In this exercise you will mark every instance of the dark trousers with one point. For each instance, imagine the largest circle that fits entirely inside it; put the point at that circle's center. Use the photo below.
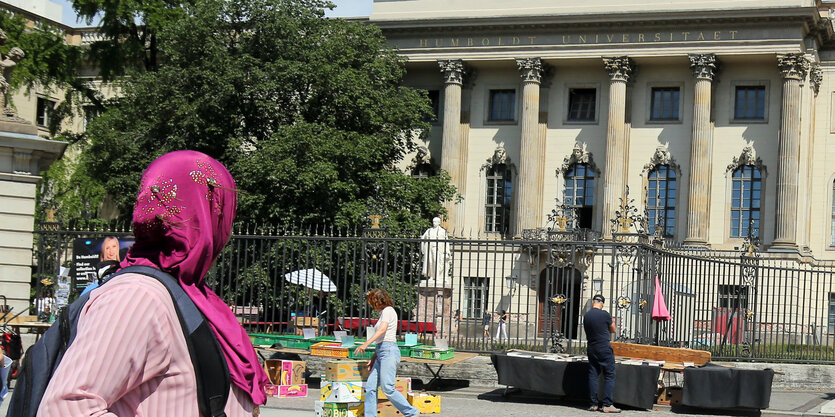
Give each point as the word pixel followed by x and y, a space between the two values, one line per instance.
pixel 601 360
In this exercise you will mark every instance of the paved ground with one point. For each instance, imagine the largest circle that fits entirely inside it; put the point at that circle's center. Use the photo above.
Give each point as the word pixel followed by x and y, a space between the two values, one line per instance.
pixel 466 402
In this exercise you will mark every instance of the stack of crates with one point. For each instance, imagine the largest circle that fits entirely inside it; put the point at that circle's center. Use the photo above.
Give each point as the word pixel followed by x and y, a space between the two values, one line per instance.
pixel 342 391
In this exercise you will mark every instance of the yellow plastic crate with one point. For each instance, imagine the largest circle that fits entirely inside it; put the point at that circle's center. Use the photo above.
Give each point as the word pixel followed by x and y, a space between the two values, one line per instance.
pixel 330 350
pixel 425 403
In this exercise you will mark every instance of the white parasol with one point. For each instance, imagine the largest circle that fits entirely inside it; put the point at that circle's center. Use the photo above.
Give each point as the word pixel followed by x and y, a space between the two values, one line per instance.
pixel 311 278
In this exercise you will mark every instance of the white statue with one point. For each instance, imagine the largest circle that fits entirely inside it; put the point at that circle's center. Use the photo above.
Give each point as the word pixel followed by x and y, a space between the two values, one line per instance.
pixel 436 254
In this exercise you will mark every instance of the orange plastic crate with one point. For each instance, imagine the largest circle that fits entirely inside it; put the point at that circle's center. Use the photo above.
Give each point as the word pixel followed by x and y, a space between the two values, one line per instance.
pixel 330 350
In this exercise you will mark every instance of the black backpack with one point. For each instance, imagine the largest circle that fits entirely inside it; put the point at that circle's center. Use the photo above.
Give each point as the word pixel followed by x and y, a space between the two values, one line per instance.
pixel 43 357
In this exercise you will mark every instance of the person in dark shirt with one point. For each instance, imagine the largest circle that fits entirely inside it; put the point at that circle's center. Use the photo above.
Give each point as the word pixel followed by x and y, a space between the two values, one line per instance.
pixel 598 326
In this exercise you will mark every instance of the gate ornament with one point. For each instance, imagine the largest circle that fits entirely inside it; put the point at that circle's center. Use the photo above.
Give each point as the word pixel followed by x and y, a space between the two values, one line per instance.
pixel 627 217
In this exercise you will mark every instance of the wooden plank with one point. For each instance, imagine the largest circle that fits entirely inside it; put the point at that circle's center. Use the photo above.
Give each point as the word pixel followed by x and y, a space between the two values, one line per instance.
pixel 659 353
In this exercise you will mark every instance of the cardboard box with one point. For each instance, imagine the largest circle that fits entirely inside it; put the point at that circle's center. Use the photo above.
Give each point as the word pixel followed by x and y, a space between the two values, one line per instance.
pixel 670 396
pixel 425 403
pixel 306 322
pixel 289 391
pixel 346 370
pixel 403 385
pixel 342 409
pixel 386 409
pixel 273 369
pixel 356 388
pixel 292 372
pixel 271 390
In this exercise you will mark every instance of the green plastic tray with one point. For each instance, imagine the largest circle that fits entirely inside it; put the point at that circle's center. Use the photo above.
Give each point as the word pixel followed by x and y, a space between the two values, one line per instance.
pixel 431 353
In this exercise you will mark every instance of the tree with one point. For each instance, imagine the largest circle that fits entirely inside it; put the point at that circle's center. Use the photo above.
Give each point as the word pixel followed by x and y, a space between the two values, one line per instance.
pixel 308 113
pixel 49 62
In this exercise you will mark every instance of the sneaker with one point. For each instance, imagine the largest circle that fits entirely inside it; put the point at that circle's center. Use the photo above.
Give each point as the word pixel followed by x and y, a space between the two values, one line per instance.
pixel 594 408
pixel 610 409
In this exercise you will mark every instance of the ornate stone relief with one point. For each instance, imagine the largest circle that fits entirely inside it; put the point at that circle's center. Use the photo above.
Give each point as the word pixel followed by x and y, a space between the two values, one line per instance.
pixel 815 77
pixel 579 155
pixel 704 66
pixel 793 66
pixel 747 157
pixel 499 158
pixel 422 157
pixel 661 156
pixel 619 68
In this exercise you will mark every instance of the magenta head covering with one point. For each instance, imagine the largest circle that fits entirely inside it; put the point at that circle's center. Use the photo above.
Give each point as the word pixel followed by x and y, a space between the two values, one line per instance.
pixel 182 220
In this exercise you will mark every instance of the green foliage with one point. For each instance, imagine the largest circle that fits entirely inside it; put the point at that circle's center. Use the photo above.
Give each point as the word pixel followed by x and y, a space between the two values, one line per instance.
pixel 308 113
pixel 131 32
pixel 49 62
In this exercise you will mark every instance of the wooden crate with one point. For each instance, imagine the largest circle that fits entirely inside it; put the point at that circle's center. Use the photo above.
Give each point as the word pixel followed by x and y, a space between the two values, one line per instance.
pixel 659 353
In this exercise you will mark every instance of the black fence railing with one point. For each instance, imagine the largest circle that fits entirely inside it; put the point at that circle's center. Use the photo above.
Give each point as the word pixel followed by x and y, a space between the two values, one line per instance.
pixel 493 294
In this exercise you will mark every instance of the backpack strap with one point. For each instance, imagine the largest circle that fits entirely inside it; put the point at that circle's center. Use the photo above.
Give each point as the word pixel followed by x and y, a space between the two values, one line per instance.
pixel 210 368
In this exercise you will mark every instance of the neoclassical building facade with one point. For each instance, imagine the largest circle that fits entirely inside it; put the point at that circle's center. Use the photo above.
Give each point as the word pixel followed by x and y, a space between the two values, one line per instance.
pixel 717 117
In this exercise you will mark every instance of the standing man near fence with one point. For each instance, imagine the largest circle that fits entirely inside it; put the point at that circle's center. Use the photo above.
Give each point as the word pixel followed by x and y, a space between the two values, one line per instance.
pixel 598 326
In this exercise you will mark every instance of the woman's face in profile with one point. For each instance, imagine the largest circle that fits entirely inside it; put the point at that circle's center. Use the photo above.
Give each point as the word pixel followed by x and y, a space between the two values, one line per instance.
pixel 110 250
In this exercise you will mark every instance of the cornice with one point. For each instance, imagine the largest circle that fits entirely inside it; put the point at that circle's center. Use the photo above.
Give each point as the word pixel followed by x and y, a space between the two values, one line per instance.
pixel 810 16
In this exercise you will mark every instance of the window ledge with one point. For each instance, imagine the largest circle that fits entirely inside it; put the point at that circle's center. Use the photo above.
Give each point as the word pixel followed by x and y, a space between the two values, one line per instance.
pixel 748 121
pixel 664 122
pixel 500 122
pixel 580 122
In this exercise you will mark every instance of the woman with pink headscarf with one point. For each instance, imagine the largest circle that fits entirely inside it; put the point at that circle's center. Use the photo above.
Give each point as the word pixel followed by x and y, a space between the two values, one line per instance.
pixel 130 356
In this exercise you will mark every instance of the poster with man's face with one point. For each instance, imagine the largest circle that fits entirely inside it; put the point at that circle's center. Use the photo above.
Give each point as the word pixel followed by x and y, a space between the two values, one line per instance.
pixel 89 254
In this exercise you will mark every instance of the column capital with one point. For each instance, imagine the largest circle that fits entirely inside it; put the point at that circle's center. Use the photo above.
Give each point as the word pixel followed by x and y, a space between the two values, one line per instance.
pixel 793 66
pixel 453 70
pixel 620 68
pixel 532 69
pixel 704 66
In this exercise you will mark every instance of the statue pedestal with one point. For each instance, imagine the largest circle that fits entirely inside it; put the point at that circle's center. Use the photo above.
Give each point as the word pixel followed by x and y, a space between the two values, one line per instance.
pixel 435 306
pixel 22 158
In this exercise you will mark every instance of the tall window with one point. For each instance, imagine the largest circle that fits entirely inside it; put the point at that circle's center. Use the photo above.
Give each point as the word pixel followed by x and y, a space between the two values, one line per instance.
pixel 832 220
pixel 423 171
pixel 90 113
pixel 662 191
pixel 664 103
pixel 581 104
pixel 750 102
pixel 435 99
pixel 502 106
pixel 44 106
pixel 579 193
pixel 831 313
pixel 475 296
pixel 745 201
pixel 733 296
pixel 499 189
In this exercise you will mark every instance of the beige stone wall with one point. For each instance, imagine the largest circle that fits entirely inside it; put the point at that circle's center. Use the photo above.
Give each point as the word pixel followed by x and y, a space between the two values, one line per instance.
pixel 17 209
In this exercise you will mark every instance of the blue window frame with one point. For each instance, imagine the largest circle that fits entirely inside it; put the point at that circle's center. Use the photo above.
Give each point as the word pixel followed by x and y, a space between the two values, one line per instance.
pixel 750 102
pixel 502 106
pixel 746 194
pixel 662 191
pixel 579 193
pixel 499 191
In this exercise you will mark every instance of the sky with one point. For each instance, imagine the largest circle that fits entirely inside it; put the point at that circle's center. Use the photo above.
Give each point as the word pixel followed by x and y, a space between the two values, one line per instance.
pixel 344 8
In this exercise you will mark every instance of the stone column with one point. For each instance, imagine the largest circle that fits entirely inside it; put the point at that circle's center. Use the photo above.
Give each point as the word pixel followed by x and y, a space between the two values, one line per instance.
pixel 452 156
pixel 701 150
pixel 793 67
pixel 617 141
pixel 531 172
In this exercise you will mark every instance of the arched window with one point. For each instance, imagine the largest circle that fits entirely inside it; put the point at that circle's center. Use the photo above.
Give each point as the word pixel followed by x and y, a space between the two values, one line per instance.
pixel 662 191
pixel 746 196
pixel 579 193
pixel 497 205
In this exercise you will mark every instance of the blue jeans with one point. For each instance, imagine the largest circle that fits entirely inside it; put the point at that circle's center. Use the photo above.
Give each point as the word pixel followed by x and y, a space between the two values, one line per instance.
pixel 5 367
pixel 383 373
pixel 601 360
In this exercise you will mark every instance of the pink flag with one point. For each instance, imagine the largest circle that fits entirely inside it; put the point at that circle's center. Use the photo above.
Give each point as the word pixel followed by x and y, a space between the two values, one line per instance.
pixel 659 306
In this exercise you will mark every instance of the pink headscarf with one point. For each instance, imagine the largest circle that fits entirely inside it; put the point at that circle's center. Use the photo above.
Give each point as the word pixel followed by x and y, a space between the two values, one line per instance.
pixel 182 220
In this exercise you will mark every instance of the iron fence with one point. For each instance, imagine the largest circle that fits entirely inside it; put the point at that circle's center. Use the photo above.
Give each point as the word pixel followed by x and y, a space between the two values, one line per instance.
pixel 494 294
